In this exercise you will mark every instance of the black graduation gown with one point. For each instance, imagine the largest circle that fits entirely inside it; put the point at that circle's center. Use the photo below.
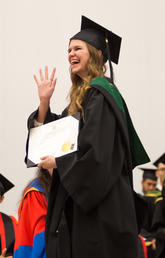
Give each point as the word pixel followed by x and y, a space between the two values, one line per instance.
pixel 93 186
pixel 158 227
pixel 7 233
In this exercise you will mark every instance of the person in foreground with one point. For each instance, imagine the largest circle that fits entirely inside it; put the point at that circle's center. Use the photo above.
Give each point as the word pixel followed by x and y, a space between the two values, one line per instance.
pixel 158 222
pixel 150 194
pixel 92 186
pixel 30 241
pixel 160 172
pixel 8 224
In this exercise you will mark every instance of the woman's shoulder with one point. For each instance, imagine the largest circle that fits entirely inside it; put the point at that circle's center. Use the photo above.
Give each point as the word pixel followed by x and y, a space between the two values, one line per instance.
pixel 101 81
pixel 91 92
pixel 35 185
pixel 93 89
pixel 109 91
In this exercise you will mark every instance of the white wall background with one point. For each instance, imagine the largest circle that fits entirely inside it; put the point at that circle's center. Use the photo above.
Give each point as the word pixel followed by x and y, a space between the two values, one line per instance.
pixel 35 33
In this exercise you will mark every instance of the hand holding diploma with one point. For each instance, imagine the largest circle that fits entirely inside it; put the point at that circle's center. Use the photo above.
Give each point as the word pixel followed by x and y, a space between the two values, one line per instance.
pixel 47 162
pixel 52 140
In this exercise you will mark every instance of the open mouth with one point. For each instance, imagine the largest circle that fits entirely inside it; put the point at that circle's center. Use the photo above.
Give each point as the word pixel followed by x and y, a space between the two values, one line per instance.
pixel 74 62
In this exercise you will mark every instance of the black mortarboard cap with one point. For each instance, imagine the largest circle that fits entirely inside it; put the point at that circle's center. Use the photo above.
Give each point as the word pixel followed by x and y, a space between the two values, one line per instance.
pixel 160 160
pixel 149 173
pixel 101 38
pixel 5 185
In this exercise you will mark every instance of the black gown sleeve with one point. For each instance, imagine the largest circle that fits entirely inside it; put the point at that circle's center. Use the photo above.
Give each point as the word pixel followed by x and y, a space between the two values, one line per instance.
pixel 158 223
pixel 89 174
pixel 49 118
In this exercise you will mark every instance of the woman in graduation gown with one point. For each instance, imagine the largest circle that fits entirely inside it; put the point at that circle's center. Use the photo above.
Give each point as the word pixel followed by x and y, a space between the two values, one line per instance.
pixel 158 224
pixel 8 224
pixel 93 186
pixel 30 240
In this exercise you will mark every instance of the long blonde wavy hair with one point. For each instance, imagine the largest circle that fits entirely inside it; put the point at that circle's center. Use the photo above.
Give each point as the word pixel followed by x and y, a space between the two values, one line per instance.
pixel 96 68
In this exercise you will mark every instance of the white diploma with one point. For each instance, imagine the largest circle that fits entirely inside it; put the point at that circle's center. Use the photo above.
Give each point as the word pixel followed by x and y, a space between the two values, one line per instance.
pixel 56 138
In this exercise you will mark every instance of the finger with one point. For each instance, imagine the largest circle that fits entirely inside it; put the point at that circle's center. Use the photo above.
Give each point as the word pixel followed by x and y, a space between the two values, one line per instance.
pixel 35 78
pixel 52 74
pixel 46 72
pixel 41 75
pixel 39 165
pixel 42 165
pixel 50 170
pixel 54 82
pixel 4 252
pixel 154 245
pixel 43 158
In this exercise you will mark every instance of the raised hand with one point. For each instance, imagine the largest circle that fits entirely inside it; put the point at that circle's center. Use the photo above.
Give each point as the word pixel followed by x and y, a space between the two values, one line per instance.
pixel 45 90
pixel 45 85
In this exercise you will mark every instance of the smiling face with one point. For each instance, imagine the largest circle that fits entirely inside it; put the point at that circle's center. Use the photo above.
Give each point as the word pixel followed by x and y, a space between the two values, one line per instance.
pixel 78 56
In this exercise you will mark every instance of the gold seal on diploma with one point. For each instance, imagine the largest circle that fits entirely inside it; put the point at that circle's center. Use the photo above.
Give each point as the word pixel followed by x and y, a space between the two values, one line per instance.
pixel 66 146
